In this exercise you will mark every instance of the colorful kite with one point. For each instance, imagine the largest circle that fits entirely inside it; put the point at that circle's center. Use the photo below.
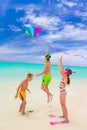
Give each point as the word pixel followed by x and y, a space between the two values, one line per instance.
pixel 32 32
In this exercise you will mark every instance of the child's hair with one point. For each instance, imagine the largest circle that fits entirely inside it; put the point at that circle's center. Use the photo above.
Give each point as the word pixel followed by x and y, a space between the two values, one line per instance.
pixel 68 82
pixel 29 75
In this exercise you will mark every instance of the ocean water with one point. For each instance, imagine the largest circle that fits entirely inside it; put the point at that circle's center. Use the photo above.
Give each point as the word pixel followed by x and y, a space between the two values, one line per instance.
pixel 10 71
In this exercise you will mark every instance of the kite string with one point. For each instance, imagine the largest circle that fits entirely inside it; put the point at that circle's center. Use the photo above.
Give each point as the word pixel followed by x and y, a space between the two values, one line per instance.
pixel 66 52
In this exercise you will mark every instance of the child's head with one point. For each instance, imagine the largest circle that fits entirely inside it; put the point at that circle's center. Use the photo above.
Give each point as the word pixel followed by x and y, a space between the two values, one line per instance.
pixel 29 76
pixel 68 71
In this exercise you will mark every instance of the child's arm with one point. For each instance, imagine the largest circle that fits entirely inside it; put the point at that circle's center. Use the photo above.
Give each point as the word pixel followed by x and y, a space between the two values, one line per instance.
pixel 40 74
pixel 65 79
pixel 18 90
pixel 44 71
pixel 61 67
pixel 28 90
pixel 45 67
pixel 46 51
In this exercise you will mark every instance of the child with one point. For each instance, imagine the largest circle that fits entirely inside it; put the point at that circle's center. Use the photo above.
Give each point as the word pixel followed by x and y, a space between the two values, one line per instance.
pixel 21 92
pixel 47 77
pixel 65 81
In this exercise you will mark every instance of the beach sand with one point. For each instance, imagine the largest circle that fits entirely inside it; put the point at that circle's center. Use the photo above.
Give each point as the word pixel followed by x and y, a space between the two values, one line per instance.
pixel 11 119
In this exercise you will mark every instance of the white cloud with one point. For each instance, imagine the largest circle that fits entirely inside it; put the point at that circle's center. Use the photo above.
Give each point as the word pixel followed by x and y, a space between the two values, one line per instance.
pixel 12 50
pixel 72 59
pixel 52 24
pixel 69 32
pixel 48 22
pixel 14 28
pixel 70 4
pixel 79 13
pixel 56 30
pixel 44 19
pixel 28 8
pixel 14 53
pixel 14 47
pixel 21 58
pixel 74 33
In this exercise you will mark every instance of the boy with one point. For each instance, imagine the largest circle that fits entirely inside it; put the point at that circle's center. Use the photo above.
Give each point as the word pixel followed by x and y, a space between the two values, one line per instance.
pixel 21 92
pixel 47 77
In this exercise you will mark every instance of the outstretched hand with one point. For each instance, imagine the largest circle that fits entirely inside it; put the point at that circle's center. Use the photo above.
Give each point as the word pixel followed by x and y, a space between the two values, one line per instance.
pixel 16 96
pixel 37 74
pixel 46 51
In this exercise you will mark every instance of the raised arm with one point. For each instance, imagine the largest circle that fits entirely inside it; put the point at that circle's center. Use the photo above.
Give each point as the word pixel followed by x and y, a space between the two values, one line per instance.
pixel 46 51
pixel 60 65
pixel 45 67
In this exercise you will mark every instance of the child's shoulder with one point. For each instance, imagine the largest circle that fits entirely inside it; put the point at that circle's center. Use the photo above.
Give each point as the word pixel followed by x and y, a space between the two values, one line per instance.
pixel 23 81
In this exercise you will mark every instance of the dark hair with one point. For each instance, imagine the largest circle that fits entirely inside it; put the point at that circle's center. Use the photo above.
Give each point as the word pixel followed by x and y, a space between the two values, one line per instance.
pixel 68 71
pixel 68 82
pixel 29 75
pixel 47 59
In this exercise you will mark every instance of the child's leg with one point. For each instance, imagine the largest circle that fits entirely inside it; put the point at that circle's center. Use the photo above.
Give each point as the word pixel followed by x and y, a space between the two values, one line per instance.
pixel 50 95
pixel 20 109
pixel 45 89
pixel 23 106
pixel 63 105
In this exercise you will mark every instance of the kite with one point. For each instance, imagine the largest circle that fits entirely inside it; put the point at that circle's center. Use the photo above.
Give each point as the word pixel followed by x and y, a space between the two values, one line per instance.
pixel 32 32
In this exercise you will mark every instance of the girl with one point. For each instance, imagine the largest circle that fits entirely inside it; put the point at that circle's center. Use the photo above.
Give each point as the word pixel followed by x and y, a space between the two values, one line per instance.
pixel 65 81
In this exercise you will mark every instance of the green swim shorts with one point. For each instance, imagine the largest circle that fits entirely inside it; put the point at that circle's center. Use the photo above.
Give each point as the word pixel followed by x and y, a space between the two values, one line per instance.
pixel 46 79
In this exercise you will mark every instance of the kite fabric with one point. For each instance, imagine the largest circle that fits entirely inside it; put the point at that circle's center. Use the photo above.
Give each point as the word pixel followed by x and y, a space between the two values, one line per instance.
pixel 32 32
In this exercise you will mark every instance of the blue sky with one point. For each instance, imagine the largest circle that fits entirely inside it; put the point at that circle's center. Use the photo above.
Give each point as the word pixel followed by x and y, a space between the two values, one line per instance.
pixel 64 24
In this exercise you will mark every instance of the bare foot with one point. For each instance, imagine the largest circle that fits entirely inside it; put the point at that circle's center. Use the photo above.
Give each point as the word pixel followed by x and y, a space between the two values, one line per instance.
pixel 65 121
pixel 61 116
pixel 19 110
pixel 51 97
pixel 23 113
pixel 48 100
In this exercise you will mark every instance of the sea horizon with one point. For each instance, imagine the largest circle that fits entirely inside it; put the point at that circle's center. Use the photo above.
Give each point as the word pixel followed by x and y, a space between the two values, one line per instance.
pixel 18 71
pixel 40 63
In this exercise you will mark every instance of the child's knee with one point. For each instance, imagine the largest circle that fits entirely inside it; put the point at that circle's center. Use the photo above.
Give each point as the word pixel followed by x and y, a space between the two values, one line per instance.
pixel 24 102
pixel 42 87
pixel 62 104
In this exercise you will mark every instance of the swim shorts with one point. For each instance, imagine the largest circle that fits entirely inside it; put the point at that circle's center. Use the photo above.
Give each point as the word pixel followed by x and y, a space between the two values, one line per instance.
pixel 46 79
pixel 22 95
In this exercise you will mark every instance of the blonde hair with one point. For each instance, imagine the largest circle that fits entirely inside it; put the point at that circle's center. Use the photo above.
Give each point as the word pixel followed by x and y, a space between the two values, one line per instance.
pixel 29 75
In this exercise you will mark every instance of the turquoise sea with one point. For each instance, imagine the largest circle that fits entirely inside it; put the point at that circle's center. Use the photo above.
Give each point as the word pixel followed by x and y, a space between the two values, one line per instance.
pixel 10 71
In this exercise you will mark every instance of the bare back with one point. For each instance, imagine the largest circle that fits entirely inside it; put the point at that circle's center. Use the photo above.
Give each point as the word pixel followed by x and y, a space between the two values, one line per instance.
pixel 24 85
pixel 47 68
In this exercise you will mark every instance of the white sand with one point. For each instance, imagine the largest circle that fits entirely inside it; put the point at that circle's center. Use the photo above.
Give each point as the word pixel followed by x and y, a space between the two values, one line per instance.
pixel 10 118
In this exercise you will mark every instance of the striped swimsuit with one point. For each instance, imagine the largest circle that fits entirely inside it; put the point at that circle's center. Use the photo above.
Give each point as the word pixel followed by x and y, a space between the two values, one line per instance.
pixel 62 86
